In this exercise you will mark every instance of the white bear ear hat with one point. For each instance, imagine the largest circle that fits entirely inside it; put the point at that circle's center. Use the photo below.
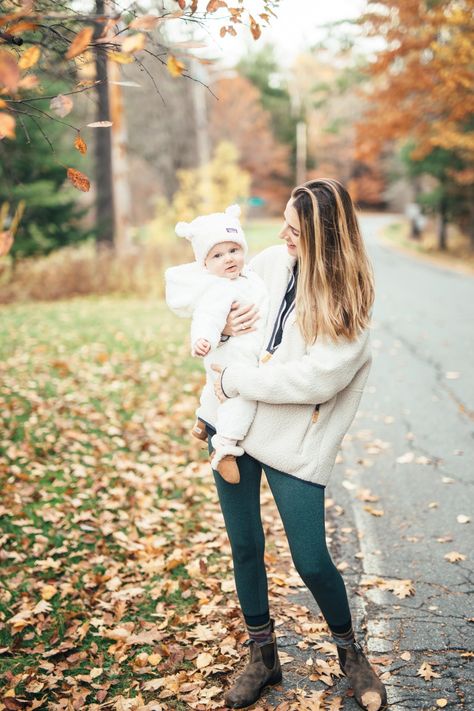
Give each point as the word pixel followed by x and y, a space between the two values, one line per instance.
pixel 206 231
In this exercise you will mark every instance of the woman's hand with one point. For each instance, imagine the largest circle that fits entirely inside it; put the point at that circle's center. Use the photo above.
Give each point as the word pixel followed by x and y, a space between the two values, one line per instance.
pixel 217 383
pixel 241 319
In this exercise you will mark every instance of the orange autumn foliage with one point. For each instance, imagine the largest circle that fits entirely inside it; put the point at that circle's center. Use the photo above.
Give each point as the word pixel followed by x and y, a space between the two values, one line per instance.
pixel 423 79
pixel 239 117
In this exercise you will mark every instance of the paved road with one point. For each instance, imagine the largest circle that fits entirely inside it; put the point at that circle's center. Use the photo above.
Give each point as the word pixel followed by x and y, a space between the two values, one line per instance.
pixel 418 408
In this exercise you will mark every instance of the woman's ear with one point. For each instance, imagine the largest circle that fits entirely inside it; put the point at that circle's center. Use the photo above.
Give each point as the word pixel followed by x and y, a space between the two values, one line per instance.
pixel 233 210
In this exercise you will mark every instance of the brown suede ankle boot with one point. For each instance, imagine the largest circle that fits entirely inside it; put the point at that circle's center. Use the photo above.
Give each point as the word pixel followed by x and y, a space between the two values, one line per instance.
pixel 263 670
pixel 199 430
pixel 369 692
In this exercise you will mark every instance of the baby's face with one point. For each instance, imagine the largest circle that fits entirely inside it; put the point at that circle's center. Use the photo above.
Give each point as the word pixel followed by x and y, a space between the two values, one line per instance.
pixel 225 259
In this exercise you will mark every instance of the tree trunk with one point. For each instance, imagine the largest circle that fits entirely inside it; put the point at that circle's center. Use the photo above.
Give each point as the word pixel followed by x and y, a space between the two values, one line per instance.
pixel 103 148
pixel 442 225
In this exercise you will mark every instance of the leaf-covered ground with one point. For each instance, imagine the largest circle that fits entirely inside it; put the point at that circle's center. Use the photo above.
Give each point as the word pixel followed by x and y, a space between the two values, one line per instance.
pixel 117 588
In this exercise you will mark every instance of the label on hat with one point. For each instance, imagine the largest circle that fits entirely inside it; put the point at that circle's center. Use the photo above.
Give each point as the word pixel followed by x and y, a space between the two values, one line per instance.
pixel 231 229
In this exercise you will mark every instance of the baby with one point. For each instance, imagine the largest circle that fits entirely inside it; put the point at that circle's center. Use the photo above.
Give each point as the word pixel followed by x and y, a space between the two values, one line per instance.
pixel 205 289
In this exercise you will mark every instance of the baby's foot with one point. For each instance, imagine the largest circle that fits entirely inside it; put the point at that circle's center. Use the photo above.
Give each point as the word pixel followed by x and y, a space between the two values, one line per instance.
pixel 199 430
pixel 228 469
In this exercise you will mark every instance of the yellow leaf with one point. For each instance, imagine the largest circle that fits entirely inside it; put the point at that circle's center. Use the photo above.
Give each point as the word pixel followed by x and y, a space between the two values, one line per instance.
pixel 426 672
pixel 80 145
pixel 374 512
pixel 29 81
pixel 79 180
pixel 254 28
pixel 9 71
pixel 175 67
pixel 154 659
pixel 441 703
pixel 120 57
pixel 80 42
pixel 147 22
pixel 7 126
pixel 134 43
pixel 203 660
pixel 454 556
pixel 214 5
pixel 48 591
pixel 29 58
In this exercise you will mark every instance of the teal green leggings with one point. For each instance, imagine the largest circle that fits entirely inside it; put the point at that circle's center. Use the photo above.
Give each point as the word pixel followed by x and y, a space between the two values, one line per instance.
pixel 301 507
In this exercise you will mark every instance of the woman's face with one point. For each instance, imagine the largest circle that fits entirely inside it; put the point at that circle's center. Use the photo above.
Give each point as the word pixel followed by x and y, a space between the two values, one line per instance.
pixel 291 229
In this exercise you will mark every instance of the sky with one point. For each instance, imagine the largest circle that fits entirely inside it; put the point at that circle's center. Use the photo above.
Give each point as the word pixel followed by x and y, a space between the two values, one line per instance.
pixel 299 24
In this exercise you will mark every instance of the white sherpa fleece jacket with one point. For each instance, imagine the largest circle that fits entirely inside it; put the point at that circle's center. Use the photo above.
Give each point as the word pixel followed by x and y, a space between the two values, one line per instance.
pixel 192 291
pixel 285 433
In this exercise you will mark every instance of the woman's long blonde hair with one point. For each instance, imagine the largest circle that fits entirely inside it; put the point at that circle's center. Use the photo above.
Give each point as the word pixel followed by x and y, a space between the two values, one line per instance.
pixel 335 290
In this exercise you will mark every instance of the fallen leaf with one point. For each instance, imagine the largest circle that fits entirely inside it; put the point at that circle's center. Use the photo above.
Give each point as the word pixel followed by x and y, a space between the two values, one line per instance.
pixel 373 511
pixel 454 556
pixel 406 656
pixel 406 458
pixel 426 672
pixel 441 703
pixel 203 660
pixel 48 591
pixel 462 518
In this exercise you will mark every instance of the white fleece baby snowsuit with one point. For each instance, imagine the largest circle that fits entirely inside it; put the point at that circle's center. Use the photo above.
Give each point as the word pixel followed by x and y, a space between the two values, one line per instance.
pixel 193 291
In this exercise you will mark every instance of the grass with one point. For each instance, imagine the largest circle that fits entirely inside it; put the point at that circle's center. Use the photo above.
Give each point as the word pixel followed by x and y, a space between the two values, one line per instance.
pixel 87 395
pixel 458 255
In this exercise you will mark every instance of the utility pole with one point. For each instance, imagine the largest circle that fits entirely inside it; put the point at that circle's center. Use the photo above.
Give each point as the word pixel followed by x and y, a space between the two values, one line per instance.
pixel 201 123
pixel 120 184
pixel 301 152
pixel 297 111
pixel 103 146
pixel 122 202
pixel 113 191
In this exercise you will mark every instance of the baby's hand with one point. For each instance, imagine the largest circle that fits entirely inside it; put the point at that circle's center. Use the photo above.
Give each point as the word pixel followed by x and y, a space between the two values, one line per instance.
pixel 201 347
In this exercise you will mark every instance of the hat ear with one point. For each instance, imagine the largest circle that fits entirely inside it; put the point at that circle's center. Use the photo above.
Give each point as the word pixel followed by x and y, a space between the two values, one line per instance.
pixel 183 229
pixel 233 210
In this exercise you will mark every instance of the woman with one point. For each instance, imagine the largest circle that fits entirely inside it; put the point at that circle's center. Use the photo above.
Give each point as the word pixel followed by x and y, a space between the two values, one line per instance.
pixel 308 387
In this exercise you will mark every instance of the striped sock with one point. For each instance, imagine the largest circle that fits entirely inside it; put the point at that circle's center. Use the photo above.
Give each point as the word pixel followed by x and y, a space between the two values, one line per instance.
pixel 344 639
pixel 261 634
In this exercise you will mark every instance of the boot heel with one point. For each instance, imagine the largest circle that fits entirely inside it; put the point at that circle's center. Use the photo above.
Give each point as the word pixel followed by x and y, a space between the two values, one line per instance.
pixel 276 679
